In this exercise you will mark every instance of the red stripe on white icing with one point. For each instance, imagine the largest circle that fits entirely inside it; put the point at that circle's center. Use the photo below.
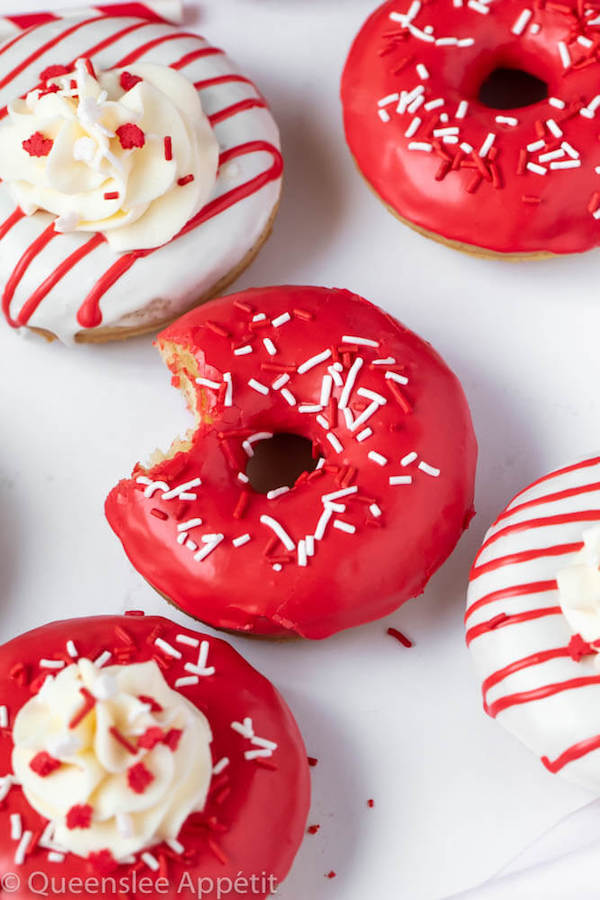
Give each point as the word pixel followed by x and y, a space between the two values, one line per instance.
pixel 517 590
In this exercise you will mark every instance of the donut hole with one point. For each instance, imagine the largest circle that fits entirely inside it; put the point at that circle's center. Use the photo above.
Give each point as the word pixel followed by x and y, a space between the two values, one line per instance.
pixel 279 462
pixel 511 88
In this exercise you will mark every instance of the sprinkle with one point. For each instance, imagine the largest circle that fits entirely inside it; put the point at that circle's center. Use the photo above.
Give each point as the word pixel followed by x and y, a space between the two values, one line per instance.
pixel 279 382
pixel 206 382
pixel 288 396
pixel 309 408
pixel 554 128
pixel 322 523
pixel 337 380
pixel 594 103
pixel 313 361
pixel 229 388
pixel 187 681
pixel 309 543
pixel 343 492
pixel 281 320
pixel 3 717
pixel 538 170
pixel 270 346
pixel 259 317
pixel 168 144
pixel 467 148
pixel 563 52
pixel 393 632
pixel 139 778
pixel 241 540
pixel 43 764
pixel 400 479
pixel 566 164
pixel 258 386
pixel 420 145
pixel 277 492
pixel 553 154
pixel 277 567
pixel 16 827
pixel 344 526
pixel 241 351
pixel 187 640
pixel 461 112
pixel 150 860
pixel 413 127
pixel 522 21
pixel 507 120
pixel 441 132
pixel 585 42
pixel 586 113
pixel 335 443
pixel 569 150
pixel 182 492
pixel 364 434
pixel 384 115
pixel 220 766
pixel 102 659
pixel 279 530
pixel 377 457
pixel 422 71
pixel 257 754
pixel 375 510
pixel 352 339
pixel 429 470
pixel 241 476
pixel 186 179
pixel 211 543
pixel 167 648
pixel 536 145
pixel 302 557
pixel 487 145
pixel 79 816
pixel 176 845
pixel 366 414
pixel 55 857
pixel 390 98
pixel 245 728
pixel 326 388
pixel 478 7
pixel 351 378
pixel 52 664
pixel 72 650
pixel 556 103
pixel 89 703
pixel 130 136
pixel 22 848
pixel 111 195
pixel 38 145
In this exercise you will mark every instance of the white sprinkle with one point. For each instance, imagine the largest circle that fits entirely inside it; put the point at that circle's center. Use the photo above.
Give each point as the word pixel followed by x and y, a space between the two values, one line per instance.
pixel 302 557
pixel 257 436
pixel 390 98
pixel 420 145
pixel 487 145
pixel 245 728
pixel 422 71
pixel 429 470
pixel 350 379
pixel 570 151
pixel 408 459
pixel 279 530
pixel 344 526
pixel 211 545
pixel 279 382
pixel 388 361
pixel 191 545
pixel 241 351
pixel 585 42
pixel 259 317
pixel 440 132
pixel 400 479
pixel 323 523
pixel 478 7
pixel 309 543
pixel 187 640
pixel 313 361
pixel 221 765
pixel 352 339
pixel 257 754
pixel 563 52
pixel 507 120
pixel 394 376
pixel 462 109
pixel 553 154
pixel 55 857
pixel 433 104
pixel 444 117
pixel 337 380
pixel 323 422
pixel 349 418
pixel 337 507
pixel 102 659
pixel 556 103
pixel 151 861
pixel 167 648
pixel 281 320
pixel 447 42
pixel 366 414
pixel 450 139
pixel 22 848
pixel 343 492
pixel 521 23
pixel 375 511
pixel 384 115
pixel 3 717
pixel 536 145
pixel 364 434
pixel 264 743
pixel 586 113
pixel 182 492
pixel 16 827
pixel 596 214
pixel 6 784
pixel 288 396
pixel 413 127
pixel 191 523
pixel 566 164
pixel 182 538
pixel 277 492
pixel 124 825
pixel 258 386
pixel 52 664
pixel 187 681
pixel 326 388
pixel 241 476
pixel 228 389
pixel 310 408
pixel 538 170
pixel 377 457
pixel 72 650
pixel 417 102
pixel 467 148
pixel 554 128
pixel 277 567
pixel 335 443
pixel 594 103
pixel 206 382
pixel 241 540
pixel 372 395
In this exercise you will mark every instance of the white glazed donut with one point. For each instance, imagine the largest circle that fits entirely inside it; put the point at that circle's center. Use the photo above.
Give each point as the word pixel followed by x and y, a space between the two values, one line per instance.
pixel 533 620
pixel 73 285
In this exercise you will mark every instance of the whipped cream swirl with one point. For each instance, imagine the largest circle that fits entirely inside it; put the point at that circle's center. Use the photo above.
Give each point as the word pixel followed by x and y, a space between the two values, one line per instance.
pixel 113 757
pixel 127 153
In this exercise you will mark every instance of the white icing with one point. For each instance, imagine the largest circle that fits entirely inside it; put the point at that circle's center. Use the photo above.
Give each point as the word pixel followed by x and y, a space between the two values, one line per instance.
pixel 579 588
pixel 95 764
pixel 92 182
pixel 551 725
pixel 169 280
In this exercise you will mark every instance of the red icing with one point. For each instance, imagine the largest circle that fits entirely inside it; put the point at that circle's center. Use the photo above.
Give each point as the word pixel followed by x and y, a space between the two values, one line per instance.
pixel 490 200
pixel 128 81
pixel 43 764
pixel 38 145
pixel 255 818
pixel 53 72
pixel 139 778
pixel 131 136
pixel 578 648
pixel 89 701
pixel 352 577
pixel 154 706
pixel 79 816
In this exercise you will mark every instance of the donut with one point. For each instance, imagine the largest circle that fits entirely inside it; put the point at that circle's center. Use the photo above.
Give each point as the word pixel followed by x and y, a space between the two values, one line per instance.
pixel 388 491
pixel 150 755
pixel 141 173
pixel 533 620
pixel 434 96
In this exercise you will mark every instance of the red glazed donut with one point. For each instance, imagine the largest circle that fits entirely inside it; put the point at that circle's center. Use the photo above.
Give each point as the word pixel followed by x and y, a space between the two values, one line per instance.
pixel 254 814
pixel 515 181
pixel 357 536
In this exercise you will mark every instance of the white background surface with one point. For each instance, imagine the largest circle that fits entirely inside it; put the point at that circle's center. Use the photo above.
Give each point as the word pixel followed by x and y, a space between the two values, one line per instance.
pixel 455 796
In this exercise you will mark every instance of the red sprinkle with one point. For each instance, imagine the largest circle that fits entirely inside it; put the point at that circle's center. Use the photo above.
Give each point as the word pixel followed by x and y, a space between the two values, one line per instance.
pixel 578 648
pixel 151 737
pixel 331 874
pixel 172 738
pixel 312 829
pixel 128 81
pixel 79 816
pixel 38 145
pixel 53 72
pixel 406 642
pixel 185 180
pixel 90 68
pixel 122 740
pixel 90 702
pixel 43 764
pixel 135 612
pixel 370 804
pixel 111 195
pixel 154 706
pixel 131 136
pixel 139 778
pixel 313 761
pixel 168 149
